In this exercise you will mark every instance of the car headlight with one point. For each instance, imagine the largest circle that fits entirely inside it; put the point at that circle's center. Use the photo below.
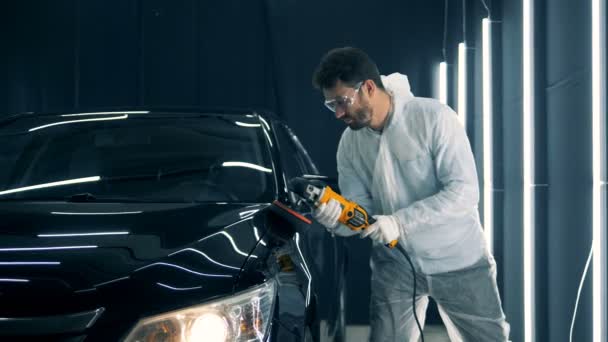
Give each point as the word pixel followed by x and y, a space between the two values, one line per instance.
pixel 245 316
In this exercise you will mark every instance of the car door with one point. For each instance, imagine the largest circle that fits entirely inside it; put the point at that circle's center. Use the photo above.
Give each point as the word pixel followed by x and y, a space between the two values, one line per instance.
pixel 324 251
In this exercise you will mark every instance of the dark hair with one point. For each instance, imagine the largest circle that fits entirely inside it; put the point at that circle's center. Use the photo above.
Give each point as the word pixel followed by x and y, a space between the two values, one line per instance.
pixel 349 65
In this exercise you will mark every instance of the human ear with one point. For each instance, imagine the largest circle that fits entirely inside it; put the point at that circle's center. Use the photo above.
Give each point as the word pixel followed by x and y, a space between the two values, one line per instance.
pixel 369 87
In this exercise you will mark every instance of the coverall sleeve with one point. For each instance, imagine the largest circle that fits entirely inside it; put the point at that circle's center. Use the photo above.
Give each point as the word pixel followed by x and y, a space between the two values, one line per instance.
pixel 351 186
pixel 455 170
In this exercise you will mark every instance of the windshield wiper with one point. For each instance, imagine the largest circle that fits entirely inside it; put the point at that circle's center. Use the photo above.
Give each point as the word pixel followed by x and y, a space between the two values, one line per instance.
pixel 89 197
pixel 77 198
pixel 158 175
pixel 37 198
pixel 83 197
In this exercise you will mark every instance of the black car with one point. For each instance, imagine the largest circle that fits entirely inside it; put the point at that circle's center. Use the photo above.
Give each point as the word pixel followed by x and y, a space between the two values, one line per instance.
pixel 159 226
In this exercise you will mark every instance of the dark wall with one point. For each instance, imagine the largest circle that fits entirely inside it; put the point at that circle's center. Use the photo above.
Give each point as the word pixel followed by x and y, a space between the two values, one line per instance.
pixel 512 143
pixel 567 92
pixel 303 31
pixel 71 54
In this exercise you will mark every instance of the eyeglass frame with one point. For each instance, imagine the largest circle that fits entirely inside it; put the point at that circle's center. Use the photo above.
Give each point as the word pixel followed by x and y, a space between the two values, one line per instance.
pixel 343 99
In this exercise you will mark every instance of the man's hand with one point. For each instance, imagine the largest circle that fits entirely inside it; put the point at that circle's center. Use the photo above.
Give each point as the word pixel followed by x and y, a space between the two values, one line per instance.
pixel 328 214
pixel 385 230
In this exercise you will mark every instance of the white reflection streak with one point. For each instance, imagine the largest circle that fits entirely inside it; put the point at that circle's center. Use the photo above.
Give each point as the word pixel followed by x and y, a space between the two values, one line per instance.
pixel 77 121
pixel 7 280
pixel 267 128
pixel 179 288
pixel 268 137
pixel 20 249
pixel 184 269
pixel 247 165
pixel 206 256
pixel 234 246
pixel 230 238
pixel 85 290
pixel 111 281
pixel 29 263
pixel 100 213
pixel 48 185
pixel 309 284
pixel 104 113
pixel 257 235
pixel 305 268
pixel 243 124
pixel 228 226
pixel 83 234
pixel 265 123
pixel 247 213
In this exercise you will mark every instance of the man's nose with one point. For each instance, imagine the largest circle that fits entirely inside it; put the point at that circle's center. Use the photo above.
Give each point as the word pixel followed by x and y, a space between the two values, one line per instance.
pixel 340 112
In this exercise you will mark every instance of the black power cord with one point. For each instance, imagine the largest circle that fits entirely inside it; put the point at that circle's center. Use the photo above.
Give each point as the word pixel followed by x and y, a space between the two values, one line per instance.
pixel 580 289
pixel 402 250
pixel 464 22
pixel 445 30
pixel 485 5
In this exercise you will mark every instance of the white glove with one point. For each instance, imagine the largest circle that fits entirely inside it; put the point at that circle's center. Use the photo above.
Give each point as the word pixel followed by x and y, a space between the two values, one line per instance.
pixel 384 230
pixel 328 214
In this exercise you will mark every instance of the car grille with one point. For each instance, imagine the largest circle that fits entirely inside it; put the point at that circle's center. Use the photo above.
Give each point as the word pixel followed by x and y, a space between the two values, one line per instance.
pixel 68 328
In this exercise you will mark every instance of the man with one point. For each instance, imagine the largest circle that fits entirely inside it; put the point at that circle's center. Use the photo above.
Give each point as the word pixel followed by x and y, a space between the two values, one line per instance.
pixel 408 161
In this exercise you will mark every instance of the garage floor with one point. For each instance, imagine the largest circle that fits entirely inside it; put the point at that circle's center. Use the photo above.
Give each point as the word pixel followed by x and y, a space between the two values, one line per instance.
pixel 432 333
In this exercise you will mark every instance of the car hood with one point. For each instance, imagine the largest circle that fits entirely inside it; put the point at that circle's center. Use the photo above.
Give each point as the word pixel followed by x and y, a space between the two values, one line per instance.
pixel 134 259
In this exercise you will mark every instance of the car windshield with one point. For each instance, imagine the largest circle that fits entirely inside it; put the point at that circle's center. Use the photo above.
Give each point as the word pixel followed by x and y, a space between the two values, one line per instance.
pixel 164 158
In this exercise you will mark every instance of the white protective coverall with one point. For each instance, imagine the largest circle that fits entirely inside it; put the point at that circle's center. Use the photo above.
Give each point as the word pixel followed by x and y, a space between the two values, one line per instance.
pixel 421 170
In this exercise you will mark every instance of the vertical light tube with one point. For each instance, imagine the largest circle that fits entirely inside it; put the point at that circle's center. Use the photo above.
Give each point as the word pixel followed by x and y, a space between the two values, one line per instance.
pixel 488 185
pixel 462 84
pixel 443 82
pixel 528 170
pixel 598 109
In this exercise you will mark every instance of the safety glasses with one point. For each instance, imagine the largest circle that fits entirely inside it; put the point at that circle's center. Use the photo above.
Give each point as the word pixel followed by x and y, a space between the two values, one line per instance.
pixel 342 101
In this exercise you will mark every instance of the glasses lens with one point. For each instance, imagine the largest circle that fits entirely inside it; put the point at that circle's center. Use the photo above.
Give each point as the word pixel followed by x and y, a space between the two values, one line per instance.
pixel 342 101
pixel 331 105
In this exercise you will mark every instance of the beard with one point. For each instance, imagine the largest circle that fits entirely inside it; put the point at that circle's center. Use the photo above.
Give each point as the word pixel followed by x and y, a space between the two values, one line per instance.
pixel 359 119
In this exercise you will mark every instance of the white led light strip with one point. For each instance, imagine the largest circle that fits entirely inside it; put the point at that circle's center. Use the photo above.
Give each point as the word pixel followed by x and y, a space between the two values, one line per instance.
pixel 599 142
pixel 488 213
pixel 528 166
pixel 443 82
pixel 462 84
